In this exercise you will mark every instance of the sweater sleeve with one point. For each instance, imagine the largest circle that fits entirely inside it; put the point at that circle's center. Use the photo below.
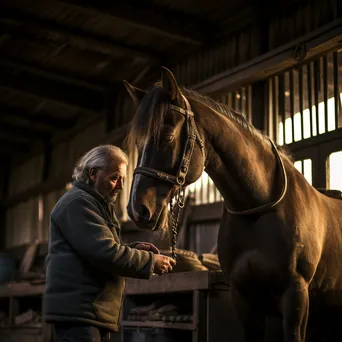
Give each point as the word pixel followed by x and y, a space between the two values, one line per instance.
pixel 88 233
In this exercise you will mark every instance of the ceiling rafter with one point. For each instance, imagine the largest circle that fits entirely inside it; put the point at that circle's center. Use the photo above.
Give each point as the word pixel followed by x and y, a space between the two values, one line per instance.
pixel 26 132
pixel 176 26
pixel 50 75
pixel 25 14
pixel 43 99
pixel 10 148
pixel 23 79
pixel 42 121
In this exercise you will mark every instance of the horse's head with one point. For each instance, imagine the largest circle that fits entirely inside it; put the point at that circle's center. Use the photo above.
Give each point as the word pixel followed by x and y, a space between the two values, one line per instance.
pixel 170 150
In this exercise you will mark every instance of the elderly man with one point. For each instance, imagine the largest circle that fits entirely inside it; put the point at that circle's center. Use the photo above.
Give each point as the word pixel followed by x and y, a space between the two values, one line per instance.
pixel 86 262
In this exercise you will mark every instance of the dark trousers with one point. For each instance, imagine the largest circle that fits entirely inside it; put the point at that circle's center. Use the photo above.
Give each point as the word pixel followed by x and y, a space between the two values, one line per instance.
pixel 71 332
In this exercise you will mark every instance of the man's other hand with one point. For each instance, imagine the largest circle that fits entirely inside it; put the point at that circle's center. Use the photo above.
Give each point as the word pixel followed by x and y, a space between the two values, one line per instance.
pixel 163 264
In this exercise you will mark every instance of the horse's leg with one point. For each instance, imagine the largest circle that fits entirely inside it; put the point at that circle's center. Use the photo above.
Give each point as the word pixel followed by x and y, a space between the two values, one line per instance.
pixel 295 310
pixel 252 321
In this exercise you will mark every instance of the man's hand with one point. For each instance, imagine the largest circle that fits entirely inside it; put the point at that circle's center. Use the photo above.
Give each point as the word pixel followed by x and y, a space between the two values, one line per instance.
pixel 163 264
pixel 146 246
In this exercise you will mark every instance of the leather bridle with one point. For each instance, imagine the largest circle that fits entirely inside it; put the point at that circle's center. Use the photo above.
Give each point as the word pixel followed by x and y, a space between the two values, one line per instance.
pixel 179 181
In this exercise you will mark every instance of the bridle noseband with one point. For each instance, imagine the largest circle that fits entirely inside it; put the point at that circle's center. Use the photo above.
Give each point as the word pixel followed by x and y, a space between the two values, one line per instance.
pixel 179 180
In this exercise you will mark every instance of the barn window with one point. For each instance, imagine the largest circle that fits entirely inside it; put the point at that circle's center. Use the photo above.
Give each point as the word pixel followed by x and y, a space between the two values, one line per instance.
pixel 306 101
pixel 204 190
pixel 305 167
pixel 239 100
pixel 334 171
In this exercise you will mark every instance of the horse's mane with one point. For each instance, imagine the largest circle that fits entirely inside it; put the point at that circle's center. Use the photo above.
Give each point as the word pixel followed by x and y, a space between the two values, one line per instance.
pixel 149 118
pixel 223 109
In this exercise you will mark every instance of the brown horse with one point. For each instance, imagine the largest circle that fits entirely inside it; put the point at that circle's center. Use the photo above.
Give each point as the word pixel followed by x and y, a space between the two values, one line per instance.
pixel 278 235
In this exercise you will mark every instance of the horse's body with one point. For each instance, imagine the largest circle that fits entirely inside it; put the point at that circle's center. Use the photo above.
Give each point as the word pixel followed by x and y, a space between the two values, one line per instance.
pixel 271 256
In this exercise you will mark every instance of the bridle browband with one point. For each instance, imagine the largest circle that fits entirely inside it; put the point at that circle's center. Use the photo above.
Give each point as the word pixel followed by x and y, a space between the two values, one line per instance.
pixel 179 181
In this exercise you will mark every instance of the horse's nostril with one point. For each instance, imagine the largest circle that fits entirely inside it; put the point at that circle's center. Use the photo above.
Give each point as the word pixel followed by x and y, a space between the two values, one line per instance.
pixel 143 213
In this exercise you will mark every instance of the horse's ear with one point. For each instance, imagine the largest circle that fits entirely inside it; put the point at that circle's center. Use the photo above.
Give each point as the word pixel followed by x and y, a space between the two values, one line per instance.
pixel 135 93
pixel 169 83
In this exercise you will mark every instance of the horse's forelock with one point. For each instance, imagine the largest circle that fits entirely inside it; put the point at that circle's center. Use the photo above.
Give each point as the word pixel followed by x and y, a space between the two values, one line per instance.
pixel 149 118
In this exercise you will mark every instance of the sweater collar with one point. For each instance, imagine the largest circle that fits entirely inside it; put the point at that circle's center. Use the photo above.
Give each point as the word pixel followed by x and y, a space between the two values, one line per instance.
pixel 108 206
pixel 90 190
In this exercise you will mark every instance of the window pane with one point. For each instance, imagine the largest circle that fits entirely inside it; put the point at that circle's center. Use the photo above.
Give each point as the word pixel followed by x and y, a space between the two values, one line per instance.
pixel 298 166
pixel 308 170
pixel 320 95
pixel 335 166
pixel 305 167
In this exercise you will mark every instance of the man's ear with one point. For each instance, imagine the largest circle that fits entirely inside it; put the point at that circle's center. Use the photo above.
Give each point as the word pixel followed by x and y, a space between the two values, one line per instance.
pixel 93 174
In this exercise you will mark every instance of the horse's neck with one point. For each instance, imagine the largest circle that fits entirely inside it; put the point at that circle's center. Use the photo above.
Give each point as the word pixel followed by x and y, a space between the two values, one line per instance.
pixel 242 165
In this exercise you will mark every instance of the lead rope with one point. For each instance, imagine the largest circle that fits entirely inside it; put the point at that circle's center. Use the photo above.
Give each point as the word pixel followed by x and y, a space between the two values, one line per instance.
pixel 174 218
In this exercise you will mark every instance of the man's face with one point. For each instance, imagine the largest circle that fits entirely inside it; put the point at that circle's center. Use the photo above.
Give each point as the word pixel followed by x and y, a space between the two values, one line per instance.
pixel 108 182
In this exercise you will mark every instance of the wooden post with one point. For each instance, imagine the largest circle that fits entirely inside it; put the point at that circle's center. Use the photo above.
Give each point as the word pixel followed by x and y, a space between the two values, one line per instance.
pixel 260 105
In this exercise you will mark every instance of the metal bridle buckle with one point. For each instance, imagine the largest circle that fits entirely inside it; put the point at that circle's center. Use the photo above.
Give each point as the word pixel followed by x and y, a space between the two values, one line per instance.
pixel 180 180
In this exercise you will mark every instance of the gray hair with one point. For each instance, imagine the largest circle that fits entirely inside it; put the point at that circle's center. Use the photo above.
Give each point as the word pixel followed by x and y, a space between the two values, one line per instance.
pixel 98 157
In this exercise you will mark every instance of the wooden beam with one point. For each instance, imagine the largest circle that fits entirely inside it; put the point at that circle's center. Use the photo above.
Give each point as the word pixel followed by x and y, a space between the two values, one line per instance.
pixel 10 148
pixel 28 14
pixel 26 132
pixel 158 21
pixel 19 94
pixel 51 75
pixel 42 121
pixel 25 79
pixel 10 137
pixel 176 282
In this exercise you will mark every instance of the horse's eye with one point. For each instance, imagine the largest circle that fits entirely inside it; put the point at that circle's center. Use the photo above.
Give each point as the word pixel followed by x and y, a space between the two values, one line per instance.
pixel 168 137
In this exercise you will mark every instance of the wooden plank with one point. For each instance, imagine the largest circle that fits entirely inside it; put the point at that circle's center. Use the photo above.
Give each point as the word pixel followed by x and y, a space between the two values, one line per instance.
pixel 21 290
pixel 206 212
pixel 158 324
pixel 28 258
pixel 317 140
pixel 172 282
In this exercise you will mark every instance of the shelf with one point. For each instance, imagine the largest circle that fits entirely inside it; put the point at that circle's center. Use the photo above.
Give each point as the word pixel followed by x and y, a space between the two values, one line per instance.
pixel 176 282
pixel 158 324
pixel 21 289
pixel 23 326
pixel 172 282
